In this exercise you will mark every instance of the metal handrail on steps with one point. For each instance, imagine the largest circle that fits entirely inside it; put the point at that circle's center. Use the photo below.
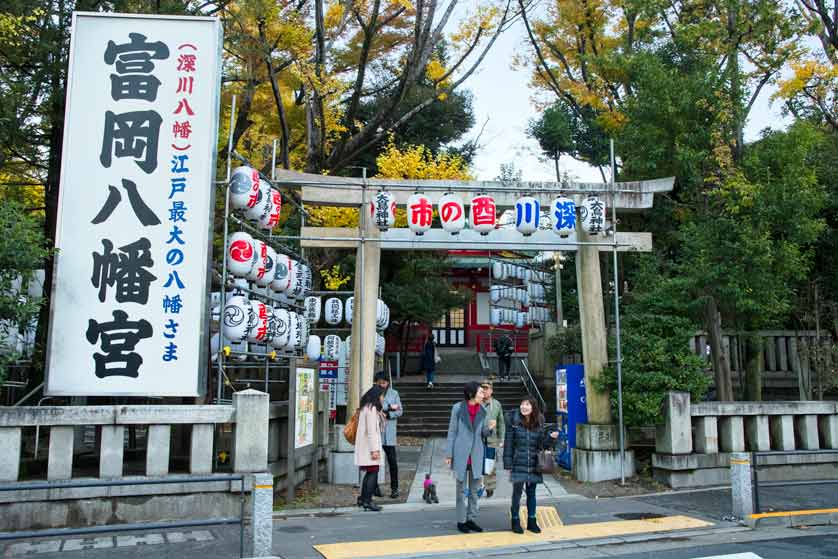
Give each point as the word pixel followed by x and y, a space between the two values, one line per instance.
pixel 530 385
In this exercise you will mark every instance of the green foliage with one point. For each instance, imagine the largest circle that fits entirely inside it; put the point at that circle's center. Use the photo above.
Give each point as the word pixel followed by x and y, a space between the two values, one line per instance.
pixel 567 342
pixel 655 339
pixel 22 251
pixel 417 289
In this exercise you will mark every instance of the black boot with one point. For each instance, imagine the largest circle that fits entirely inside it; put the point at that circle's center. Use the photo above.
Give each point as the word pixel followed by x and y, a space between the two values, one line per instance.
pixel 368 487
pixel 516 526
pixel 532 526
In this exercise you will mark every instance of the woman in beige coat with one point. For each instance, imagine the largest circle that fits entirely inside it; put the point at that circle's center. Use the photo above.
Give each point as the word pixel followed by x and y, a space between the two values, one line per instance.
pixel 368 445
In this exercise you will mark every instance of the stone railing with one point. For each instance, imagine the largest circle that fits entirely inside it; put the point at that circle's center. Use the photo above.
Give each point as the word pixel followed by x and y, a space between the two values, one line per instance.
pixel 693 446
pixel 253 430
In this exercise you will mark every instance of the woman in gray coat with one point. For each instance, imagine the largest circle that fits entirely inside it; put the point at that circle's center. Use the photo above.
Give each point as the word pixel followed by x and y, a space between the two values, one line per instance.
pixel 464 453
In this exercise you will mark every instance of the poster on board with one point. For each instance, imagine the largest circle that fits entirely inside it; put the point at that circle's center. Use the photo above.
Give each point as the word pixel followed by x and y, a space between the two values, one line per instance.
pixel 304 406
pixel 129 314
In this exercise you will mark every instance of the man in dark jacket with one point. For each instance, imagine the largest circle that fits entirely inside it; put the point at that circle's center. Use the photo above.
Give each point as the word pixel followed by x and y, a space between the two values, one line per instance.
pixel 504 348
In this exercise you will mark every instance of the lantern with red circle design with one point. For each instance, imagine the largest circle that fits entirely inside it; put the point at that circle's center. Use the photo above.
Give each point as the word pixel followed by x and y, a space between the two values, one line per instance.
pixel 241 254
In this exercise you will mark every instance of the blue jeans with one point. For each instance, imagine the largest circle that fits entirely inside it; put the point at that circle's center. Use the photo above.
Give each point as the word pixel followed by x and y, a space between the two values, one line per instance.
pixel 429 374
pixel 517 489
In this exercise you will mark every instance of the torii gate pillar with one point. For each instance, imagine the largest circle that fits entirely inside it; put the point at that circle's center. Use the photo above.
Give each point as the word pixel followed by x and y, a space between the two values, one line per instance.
pixel 592 326
pixel 362 354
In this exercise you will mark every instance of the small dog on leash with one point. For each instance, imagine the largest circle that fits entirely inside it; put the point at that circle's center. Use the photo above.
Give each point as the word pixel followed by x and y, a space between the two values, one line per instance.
pixel 429 495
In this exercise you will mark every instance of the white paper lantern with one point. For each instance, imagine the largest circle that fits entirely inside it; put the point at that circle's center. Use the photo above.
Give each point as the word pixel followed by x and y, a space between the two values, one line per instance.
pixel 260 257
pixel 241 254
pixel 482 214
pixel 592 214
pixel 282 273
pixel 527 215
pixel 298 275
pixel 380 345
pixel 379 312
pixel 420 213
pixel 331 348
pixel 259 328
pixel 347 311
pixel 347 346
pixel 270 268
pixel 237 318
pixel 312 309
pixel 333 311
pixel 494 317
pixel 308 280
pixel 563 216
pixel 244 188
pixel 520 319
pixel 271 219
pixel 383 210
pixel 262 207
pixel 313 348
pixel 270 334
pixel 301 332
pixel 293 332
pixel 282 319
pixel 452 213
pixel 497 270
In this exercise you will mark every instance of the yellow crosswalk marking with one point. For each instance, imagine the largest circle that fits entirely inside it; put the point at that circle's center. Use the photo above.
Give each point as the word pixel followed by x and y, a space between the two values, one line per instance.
pixel 486 540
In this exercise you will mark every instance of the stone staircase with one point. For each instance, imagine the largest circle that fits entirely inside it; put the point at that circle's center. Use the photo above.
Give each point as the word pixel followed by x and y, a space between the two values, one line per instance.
pixel 427 411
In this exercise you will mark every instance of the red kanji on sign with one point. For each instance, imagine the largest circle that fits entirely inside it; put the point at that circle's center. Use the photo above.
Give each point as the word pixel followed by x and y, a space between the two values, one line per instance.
pixel 184 84
pixel 182 105
pixel 182 129
pixel 421 213
pixel 186 63
pixel 483 210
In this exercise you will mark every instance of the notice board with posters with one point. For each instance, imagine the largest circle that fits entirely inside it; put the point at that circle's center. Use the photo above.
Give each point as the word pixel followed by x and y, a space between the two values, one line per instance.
pixel 304 408
pixel 129 312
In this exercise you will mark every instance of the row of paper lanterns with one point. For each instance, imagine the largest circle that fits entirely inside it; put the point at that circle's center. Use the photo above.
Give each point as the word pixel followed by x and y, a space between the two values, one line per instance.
pixel 519 319
pixel 254 196
pixel 331 348
pixel 525 295
pixel 255 260
pixel 505 271
pixel 245 319
pixel 482 213
pixel 334 311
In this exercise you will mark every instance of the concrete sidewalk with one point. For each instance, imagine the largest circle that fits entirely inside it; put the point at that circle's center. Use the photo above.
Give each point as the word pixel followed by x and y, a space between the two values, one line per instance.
pixel 432 460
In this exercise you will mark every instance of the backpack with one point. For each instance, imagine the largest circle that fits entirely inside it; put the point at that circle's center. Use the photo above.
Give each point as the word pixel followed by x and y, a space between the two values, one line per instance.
pixel 350 431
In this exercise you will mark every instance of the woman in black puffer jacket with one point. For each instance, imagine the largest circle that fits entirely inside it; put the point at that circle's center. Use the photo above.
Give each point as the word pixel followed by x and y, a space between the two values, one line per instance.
pixel 525 437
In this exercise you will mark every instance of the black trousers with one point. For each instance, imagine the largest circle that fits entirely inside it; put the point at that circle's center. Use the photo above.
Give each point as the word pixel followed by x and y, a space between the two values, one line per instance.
pixel 504 364
pixel 517 489
pixel 392 465
pixel 368 486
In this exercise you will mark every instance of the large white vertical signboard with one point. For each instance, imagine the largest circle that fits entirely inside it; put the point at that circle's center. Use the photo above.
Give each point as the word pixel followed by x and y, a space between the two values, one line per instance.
pixel 134 222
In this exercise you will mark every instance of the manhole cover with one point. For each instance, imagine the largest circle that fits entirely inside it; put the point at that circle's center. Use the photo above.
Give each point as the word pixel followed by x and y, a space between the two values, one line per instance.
pixel 292 529
pixel 638 515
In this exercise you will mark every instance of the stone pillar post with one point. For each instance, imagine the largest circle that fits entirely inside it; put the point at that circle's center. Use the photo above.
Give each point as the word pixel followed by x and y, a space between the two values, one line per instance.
pixel 10 457
pixel 261 516
pixel 111 451
pixel 592 322
pixel 60 464
pixel 367 265
pixel 250 450
pixel 740 485
pixel 675 436
pixel 781 428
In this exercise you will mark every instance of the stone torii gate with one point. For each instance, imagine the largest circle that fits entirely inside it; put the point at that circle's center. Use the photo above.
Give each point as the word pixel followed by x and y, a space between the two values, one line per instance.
pixel 597 457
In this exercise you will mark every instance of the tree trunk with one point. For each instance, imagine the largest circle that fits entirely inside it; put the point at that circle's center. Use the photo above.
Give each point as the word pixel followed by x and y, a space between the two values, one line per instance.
pixel 755 352
pixel 721 366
